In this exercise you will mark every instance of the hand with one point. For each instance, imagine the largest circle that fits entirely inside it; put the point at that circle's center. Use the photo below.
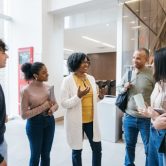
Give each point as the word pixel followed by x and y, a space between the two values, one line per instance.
pixel 153 113
pixel 160 122
pixel 51 103
pixel 3 163
pixel 81 93
pixel 6 119
pixel 127 86
pixel 50 112
pixel 53 109
pixel 148 112
pixel 144 112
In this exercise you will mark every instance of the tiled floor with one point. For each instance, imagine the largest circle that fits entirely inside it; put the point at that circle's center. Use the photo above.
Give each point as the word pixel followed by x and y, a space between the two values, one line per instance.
pixel 18 148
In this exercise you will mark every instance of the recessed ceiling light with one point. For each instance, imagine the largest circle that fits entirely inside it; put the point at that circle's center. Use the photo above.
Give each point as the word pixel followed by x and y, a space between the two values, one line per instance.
pixel 132 1
pixel 97 41
pixel 107 25
pixel 88 38
pixel 136 27
pixel 108 45
pixel 132 22
pixel 125 16
pixel 66 49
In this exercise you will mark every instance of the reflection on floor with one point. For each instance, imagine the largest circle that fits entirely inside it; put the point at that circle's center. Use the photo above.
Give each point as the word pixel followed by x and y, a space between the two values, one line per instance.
pixel 18 148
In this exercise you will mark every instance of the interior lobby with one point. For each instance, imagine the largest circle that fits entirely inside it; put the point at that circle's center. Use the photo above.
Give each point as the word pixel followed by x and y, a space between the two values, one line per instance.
pixel 48 31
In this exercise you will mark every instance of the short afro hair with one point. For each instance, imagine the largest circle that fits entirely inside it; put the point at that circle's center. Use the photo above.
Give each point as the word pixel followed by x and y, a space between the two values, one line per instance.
pixel 74 61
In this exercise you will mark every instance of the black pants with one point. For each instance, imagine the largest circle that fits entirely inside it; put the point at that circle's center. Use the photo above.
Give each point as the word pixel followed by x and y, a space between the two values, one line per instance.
pixel 95 146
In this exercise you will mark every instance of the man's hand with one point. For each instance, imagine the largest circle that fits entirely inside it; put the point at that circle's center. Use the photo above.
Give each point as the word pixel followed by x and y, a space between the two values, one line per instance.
pixel 81 93
pixel 3 163
pixel 148 112
pixel 127 86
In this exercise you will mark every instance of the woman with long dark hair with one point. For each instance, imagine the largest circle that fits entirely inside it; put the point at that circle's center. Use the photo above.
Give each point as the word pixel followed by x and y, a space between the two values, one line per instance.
pixel 157 112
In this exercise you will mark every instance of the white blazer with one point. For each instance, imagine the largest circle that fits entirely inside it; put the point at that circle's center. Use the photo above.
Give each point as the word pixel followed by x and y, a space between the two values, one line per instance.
pixel 73 113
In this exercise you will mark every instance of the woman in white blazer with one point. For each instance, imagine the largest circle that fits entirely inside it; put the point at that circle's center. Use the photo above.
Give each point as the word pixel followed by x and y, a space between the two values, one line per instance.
pixel 79 97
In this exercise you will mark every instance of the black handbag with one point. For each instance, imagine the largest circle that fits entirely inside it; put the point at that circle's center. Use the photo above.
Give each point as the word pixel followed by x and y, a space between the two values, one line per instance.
pixel 122 99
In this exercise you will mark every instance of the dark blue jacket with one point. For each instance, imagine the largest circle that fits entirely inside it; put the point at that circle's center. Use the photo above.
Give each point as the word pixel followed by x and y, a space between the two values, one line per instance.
pixel 2 118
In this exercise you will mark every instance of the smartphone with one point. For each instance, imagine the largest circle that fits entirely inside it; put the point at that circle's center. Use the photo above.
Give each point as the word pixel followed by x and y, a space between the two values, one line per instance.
pixel 160 111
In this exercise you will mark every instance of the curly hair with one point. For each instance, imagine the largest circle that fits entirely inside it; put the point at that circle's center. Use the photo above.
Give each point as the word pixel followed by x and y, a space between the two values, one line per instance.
pixel 74 61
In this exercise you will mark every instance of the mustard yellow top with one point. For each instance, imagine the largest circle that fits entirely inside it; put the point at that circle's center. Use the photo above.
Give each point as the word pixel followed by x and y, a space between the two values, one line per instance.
pixel 87 100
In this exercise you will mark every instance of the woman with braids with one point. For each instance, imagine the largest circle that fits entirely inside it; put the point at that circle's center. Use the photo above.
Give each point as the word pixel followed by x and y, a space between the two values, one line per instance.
pixel 37 106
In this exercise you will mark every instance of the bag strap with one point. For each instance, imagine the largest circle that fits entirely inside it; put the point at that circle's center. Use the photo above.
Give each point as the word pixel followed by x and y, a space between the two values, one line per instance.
pixel 129 75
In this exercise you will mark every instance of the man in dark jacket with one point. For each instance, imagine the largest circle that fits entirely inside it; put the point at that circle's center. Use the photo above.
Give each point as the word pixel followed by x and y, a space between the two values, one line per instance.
pixel 3 145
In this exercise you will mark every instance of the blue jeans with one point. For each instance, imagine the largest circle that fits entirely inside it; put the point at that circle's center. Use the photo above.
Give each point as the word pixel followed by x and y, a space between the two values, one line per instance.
pixel 40 131
pixel 154 157
pixel 95 146
pixel 132 126
pixel 3 150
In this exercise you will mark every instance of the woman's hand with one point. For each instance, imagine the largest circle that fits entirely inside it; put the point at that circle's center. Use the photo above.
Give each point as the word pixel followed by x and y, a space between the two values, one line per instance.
pixel 53 109
pixel 81 93
pixel 160 122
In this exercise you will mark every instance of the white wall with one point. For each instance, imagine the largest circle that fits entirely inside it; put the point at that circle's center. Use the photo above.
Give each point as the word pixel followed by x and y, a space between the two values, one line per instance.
pixel 58 4
pixel 53 54
pixel 25 31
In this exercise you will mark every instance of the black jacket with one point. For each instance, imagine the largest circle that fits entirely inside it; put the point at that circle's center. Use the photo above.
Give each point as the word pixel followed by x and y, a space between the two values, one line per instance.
pixel 2 118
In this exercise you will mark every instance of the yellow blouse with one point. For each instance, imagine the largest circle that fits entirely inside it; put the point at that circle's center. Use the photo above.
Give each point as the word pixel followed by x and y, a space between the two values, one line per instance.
pixel 87 100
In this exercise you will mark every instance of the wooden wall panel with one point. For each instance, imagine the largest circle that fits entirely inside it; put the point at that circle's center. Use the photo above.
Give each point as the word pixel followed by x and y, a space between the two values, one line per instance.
pixel 103 65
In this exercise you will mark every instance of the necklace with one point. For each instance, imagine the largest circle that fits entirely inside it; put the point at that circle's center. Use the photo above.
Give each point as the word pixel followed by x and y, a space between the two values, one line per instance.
pixel 83 79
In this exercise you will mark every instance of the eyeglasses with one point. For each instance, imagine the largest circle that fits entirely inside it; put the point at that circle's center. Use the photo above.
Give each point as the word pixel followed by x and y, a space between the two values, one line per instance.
pixel 86 62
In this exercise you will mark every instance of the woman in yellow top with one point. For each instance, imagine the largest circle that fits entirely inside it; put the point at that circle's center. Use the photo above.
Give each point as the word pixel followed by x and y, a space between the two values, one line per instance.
pixel 79 97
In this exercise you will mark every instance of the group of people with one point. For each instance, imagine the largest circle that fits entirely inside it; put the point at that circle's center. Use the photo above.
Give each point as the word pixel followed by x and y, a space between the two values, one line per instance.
pixel 79 97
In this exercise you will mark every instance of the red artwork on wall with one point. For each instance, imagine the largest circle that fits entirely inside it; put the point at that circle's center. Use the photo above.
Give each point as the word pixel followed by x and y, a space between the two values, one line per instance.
pixel 24 55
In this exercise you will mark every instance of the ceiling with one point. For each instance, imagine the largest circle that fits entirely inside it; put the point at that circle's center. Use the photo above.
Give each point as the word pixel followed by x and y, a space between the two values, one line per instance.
pixel 97 20
pixel 102 32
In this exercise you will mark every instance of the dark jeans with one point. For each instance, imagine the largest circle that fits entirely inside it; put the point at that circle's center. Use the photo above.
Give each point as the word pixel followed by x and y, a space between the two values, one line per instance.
pixel 132 126
pixel 154 157
pixel 40 131
pixel 95 146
